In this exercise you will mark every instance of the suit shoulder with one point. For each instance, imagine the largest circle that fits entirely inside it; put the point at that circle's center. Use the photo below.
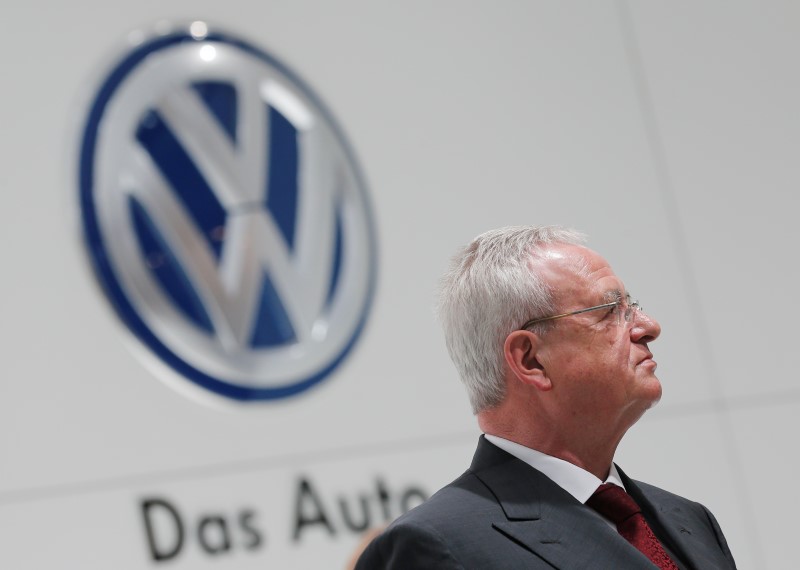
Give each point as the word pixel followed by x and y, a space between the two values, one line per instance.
pixel 404 545
pixel 466 495
pixel 687 510
pixel 667 501
pixel 439 533
pixel 422 537
pixel 449 531
pixel 662 497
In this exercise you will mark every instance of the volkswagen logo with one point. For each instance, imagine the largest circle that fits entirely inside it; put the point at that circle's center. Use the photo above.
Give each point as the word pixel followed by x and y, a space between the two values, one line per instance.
pixel 225 215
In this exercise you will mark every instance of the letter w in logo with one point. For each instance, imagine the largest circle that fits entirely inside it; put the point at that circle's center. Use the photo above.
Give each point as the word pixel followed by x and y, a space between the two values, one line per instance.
pixel 234 198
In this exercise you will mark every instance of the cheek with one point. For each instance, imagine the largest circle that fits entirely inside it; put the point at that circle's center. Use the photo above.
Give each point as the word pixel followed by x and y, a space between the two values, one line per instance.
pixel 612 353
pixel 620 348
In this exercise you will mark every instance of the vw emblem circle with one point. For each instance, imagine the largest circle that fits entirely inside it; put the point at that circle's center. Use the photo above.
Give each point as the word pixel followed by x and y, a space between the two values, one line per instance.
pixel 225 215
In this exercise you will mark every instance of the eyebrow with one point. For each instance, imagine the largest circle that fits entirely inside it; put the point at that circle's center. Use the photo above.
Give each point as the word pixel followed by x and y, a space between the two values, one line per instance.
pixel 613 295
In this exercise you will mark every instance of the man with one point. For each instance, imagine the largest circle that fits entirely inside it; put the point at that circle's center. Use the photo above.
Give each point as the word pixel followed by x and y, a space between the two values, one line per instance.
pixel 555 357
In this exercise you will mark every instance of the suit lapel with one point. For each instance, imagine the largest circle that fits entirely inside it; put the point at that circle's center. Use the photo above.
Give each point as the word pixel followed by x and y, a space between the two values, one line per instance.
pixel 548 521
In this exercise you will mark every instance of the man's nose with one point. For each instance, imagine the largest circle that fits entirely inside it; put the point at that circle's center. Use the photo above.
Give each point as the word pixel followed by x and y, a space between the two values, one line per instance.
pixel 645 328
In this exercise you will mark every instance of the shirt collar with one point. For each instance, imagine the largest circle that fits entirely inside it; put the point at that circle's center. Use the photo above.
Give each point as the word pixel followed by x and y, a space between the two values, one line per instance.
pixel 574 480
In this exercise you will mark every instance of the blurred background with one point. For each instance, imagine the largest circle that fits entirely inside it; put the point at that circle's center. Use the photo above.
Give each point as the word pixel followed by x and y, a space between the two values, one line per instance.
pixel 668 132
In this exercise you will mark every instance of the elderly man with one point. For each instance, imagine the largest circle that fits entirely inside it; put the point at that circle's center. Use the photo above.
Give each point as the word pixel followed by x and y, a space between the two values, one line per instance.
pixel 555 357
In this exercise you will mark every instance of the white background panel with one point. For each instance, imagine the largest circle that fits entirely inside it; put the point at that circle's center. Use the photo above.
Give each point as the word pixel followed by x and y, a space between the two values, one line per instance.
pixel 725 85
pixel 767 436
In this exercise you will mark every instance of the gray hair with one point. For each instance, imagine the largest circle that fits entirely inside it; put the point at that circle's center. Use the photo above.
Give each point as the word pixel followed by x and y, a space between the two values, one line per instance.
pixel 489 291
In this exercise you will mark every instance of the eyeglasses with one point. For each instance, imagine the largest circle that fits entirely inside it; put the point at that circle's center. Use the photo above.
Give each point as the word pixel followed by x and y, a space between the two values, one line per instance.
pixel 622 308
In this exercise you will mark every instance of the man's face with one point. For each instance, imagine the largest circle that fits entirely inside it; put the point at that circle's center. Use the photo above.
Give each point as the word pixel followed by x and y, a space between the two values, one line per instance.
pixel 600 365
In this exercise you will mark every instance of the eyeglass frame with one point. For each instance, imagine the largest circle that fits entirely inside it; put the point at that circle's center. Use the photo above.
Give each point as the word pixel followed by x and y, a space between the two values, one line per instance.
pixel 633 306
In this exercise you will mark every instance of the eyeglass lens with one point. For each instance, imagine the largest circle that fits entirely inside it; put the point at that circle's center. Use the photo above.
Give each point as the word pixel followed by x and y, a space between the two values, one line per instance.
pixel 629 307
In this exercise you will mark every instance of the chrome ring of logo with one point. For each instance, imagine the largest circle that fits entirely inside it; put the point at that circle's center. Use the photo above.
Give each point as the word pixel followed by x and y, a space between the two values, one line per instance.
pixel 225 215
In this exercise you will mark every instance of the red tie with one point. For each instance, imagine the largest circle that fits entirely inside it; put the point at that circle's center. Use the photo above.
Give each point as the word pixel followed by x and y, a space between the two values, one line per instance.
pixel 616 505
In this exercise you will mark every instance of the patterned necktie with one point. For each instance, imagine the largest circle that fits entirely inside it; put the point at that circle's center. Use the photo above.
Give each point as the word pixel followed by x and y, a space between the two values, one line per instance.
pixel 616 505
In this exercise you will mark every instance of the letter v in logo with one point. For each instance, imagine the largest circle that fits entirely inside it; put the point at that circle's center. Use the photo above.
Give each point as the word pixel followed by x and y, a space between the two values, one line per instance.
pixel 225 216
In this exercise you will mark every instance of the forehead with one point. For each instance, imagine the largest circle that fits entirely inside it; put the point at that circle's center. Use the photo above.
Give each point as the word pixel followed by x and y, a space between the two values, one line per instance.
pixel 576 272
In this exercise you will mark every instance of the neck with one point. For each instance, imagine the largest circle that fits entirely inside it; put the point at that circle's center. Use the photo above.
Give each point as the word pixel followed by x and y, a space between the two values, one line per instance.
pixel 588 448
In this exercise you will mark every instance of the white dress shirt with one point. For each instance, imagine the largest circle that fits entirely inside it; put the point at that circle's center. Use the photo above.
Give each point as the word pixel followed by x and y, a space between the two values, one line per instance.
pixel 576 481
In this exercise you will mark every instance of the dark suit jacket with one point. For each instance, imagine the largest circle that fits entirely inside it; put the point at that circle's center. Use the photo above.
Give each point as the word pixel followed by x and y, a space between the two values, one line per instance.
pixel 502 513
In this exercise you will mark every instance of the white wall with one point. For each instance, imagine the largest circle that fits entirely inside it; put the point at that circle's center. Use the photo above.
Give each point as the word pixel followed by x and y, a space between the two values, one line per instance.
pixel 666 131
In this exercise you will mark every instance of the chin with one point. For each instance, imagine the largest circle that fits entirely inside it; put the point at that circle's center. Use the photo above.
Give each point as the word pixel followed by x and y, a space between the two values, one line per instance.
pixel 650 391
pixel 657 392
pixel 653 402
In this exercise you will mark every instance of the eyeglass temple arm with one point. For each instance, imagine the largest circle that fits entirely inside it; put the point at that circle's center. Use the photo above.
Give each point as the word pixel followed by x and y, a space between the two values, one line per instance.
pixel 578 312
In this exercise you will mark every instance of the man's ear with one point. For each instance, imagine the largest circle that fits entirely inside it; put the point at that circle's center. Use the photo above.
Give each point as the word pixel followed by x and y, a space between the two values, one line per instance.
pixel 520 351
